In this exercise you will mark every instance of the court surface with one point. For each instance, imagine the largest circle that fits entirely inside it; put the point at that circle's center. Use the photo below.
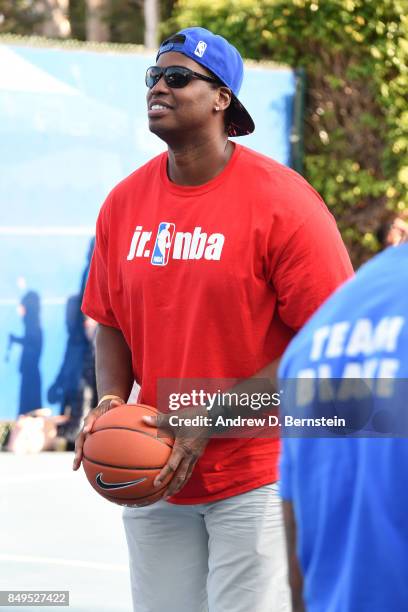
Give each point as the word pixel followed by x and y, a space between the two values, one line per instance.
pixel 56 533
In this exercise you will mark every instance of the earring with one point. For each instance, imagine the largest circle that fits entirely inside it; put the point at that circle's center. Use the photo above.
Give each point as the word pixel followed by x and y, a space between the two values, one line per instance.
pixel 217 108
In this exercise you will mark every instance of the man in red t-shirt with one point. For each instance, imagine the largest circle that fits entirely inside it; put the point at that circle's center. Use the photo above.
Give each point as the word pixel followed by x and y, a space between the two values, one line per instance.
pixel 208 259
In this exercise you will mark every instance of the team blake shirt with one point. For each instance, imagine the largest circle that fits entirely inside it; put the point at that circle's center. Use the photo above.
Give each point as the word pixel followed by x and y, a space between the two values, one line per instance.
pixel 350 492
pixel 212 282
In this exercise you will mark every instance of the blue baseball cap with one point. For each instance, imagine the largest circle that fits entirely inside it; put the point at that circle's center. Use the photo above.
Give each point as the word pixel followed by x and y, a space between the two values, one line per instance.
pixel 223 60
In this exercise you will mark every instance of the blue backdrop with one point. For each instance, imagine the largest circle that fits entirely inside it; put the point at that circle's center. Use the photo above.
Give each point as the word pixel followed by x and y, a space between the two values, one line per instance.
pixel 72 124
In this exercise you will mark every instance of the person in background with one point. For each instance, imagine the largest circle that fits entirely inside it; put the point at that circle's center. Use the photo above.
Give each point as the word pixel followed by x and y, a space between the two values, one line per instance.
pixel 393 232
pixel 31 342
pixel 68 387
pixel 345 497
pixel 75 386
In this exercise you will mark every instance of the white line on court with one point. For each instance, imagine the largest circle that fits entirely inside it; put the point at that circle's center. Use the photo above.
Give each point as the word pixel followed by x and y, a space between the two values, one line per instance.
pixel 67 562
pixel 51 230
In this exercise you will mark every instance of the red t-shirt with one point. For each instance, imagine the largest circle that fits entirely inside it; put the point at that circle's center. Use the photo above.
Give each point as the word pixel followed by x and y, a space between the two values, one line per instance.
pixel 213 281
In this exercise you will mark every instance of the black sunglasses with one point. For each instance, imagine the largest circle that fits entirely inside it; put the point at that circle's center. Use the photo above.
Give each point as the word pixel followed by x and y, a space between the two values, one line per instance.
pixel 174 76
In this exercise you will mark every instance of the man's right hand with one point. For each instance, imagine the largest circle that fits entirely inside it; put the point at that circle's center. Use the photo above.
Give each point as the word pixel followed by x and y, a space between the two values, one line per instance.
pixel 88 424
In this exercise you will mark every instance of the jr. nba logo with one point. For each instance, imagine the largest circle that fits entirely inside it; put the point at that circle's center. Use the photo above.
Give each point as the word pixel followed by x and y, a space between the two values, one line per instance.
pixel 162 245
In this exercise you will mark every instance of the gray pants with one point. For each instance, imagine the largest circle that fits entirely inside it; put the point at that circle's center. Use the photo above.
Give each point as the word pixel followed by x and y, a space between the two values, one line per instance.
pixel 224 556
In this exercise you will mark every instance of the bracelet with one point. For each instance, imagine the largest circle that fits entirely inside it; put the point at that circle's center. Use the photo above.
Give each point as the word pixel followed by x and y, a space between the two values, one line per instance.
pixel 109 397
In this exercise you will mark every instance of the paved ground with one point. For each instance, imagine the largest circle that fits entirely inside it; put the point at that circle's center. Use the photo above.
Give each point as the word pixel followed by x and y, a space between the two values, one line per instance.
pixel 56 533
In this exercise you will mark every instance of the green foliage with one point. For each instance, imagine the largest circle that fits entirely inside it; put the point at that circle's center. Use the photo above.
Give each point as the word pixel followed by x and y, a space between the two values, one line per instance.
pixel 355 55
pixel 18 16
pixel 126 21
pixel 124 17
pixel 77 16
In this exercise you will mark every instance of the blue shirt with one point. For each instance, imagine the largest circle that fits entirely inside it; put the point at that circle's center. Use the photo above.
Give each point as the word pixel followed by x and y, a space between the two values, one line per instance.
pixel 350 493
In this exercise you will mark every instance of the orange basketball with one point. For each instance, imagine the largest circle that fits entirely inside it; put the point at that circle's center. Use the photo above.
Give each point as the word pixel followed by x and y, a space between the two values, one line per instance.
pixel 122 456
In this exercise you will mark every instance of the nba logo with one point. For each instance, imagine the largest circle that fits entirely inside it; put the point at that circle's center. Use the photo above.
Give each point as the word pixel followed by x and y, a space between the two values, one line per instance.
pixel 162 245
pixel 200 48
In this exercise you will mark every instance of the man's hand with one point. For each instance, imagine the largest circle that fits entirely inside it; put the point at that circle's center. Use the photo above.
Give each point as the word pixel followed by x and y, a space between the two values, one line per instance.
pixel 189 445
pixel 87 428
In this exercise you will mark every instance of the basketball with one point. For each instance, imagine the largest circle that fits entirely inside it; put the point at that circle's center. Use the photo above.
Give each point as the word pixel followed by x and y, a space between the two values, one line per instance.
pixel 122 456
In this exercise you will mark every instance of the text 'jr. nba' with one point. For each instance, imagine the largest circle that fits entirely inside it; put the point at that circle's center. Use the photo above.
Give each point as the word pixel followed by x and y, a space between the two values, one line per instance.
pixel 175 245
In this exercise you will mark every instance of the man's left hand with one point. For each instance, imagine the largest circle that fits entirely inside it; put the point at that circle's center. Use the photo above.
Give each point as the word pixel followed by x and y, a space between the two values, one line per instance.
pixel 189 445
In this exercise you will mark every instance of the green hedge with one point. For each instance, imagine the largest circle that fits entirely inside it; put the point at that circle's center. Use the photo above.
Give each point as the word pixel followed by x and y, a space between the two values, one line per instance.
pixel 355 55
